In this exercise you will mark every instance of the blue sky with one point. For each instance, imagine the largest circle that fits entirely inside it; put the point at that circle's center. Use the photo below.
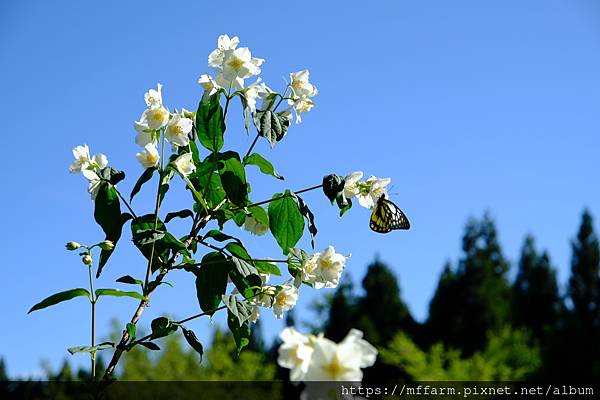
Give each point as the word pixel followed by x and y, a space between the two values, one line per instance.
pixel 468 106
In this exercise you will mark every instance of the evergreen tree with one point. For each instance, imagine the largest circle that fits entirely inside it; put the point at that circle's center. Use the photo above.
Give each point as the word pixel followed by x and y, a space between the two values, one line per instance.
pixel 584 284
pixel 382 313
pixel 536 301
pixel 582 353
pixel 476 300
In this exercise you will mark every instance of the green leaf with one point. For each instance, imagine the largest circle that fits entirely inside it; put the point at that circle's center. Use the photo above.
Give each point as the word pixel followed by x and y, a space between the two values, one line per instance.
pixel 131 331
pixel 165 180
pixel 285 221
pixel 343 204
pixel 59 298
pixel 90 349
pixel 241 334
pixel 211 280
pixel 332 186
pixel 162 327
pixel 233 177
pixel 113 176
pixel 272 126
pixel 239 309
pixel 150 345
pixel 143 234
pixel 245 277
pixel 267 268
pixel 193 341
pixel 220 236
pixel 107 213
pixel 238 250
pixel 129 280
pixel 210 124
pixel 259 214
pixel 119 293
pixel 310 218
pixel 179 214
pixel 265 166
pixel 145 177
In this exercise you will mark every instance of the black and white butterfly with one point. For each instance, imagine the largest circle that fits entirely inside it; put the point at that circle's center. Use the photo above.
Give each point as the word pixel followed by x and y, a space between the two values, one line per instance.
pixel 387 216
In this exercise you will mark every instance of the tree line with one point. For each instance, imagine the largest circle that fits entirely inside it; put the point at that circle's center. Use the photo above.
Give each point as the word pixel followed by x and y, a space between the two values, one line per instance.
pixel 481 324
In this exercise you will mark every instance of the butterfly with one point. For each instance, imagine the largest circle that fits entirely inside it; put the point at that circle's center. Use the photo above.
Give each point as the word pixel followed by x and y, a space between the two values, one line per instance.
pixel 387 216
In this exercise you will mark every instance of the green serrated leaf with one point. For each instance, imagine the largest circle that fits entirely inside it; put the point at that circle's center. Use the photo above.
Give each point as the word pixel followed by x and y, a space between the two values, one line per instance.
pixel 210 124
pixel 162 327
pixel 272 126
pixel 285 221
pixel 211 280
pixel 193 341
pixel 265 166
pixel 144 177
pixel 119 293
pixel 150 345
pixel 59 298
pixel 241 334
pixel 179 214
pixel 129 280
pixel 310 218
pixel 245 277
pixel 90 349
pixel 233 177
pixel 267 268
pixel 239 309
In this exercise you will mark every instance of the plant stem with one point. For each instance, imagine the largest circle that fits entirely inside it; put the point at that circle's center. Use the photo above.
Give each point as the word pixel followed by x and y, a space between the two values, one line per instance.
pixel 93 302
pixel 252 145
pixel 125 202
pixel 144 303
pixel 156 207
pixel 280 197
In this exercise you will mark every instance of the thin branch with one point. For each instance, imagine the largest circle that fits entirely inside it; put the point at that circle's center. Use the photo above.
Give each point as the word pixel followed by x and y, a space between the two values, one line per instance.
pixel 279 197
pixel 144 303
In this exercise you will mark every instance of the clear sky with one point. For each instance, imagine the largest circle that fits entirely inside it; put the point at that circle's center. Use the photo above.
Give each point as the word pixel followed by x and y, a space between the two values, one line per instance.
pixel 467 105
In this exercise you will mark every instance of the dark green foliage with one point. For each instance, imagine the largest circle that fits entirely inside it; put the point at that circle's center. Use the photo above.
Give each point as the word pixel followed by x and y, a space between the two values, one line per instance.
pixel 536 300
pixel 475 299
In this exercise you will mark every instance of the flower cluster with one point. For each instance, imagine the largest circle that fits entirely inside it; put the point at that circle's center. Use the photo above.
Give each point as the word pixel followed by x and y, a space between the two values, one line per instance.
pixel 316 358
pixel 366 192
pixel 90 167
pixel 233 65
pixel 156 122
pixel 319 270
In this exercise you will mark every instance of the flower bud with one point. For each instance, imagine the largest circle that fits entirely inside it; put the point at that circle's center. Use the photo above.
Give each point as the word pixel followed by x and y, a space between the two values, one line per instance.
pixel 72 246
pixel 106 245
pixel 87 259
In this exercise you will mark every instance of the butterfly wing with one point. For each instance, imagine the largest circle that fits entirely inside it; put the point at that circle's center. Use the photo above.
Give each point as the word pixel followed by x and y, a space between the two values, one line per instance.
pixel 387 216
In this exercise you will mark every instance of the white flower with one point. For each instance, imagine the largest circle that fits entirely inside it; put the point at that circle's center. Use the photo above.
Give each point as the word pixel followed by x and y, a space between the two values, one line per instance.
pixel 153 98
pixel 144 134
pixel 252 225
pixel 84 162
pixel 237 65
pixel 340 362
pixel 255 315
pixel 178 129
pixel 82 158
pixel 285 300
pixel 155 118
pixel 309 269
pixel 371 190
pixel 350 187
pixel 99 161
pixel 149 156
pixel 300 85
pixel 252 93
pixel 209 85
pixel 295 353
pixel 329 268
pixel 93 182
pixel 301 106
pixel 184 164
pixel 224 43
